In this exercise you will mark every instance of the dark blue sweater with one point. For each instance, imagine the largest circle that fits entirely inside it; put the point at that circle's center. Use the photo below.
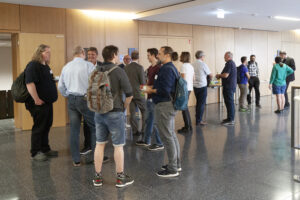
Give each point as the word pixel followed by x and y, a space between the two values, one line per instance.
pixel 165 83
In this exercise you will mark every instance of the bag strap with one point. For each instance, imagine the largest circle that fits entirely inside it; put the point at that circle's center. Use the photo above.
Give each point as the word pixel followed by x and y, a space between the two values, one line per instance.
pixel 112 69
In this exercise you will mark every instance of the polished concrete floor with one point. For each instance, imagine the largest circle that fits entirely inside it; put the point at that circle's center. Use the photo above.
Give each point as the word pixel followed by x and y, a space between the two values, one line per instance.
pixel 252 160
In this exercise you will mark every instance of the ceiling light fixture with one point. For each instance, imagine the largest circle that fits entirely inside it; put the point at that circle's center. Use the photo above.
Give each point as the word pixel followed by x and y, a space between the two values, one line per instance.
pixel 108 14
pixel 220 13
pixel 286 18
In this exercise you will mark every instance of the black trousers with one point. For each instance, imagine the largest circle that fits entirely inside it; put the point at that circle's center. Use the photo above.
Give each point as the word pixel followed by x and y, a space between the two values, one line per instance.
pixel 287 103
pixel 186 116
pixel 42 122
pixel 87 135
pixel 254 83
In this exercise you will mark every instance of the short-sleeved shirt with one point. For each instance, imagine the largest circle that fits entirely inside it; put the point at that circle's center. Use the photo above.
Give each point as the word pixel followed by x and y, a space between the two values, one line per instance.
pixel 201 71
pixel 229 82
pixel 243 71
pixel 42 76
pixel 188 70
pixel 152 71
pixel 120 85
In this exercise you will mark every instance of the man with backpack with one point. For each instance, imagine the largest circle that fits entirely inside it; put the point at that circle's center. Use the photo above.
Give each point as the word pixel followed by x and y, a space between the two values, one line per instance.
pixel 73 84
pixel 105 95
pixel 163 93
pixel 242 80
pixel 41 86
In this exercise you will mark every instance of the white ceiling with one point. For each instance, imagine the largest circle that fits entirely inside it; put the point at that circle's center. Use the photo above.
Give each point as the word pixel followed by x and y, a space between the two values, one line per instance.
pixel 240 16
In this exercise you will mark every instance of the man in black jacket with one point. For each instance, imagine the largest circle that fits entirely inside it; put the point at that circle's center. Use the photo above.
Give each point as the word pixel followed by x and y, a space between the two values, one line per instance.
pixel 291 63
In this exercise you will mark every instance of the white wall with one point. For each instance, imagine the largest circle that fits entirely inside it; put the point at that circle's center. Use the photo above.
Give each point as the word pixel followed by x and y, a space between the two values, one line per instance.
pixel 6 75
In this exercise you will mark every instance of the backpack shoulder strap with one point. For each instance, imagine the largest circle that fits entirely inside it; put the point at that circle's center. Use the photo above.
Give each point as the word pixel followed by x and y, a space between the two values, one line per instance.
pixel 112 69
pixel 174 72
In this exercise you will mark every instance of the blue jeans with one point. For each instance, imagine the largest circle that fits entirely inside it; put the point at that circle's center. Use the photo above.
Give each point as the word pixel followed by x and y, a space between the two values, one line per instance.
pixel 201 94
pixel 149 124
pixel 110 123
pixel 228 94
pixel 77 108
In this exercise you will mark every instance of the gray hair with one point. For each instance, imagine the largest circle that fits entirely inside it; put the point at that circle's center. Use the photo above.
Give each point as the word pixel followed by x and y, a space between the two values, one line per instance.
pixel 230 54
pixel 199 54
pixel 78 50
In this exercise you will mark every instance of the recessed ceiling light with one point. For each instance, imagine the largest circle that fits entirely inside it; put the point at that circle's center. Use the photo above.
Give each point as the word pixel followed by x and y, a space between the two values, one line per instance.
pixel 287 18
pixel 220 13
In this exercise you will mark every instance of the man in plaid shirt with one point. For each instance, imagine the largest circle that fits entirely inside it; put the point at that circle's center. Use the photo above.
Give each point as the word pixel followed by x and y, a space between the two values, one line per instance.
pixel 253 81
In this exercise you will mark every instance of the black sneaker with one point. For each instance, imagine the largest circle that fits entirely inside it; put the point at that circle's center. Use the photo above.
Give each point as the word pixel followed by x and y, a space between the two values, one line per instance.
pixel 167 174
pixel 165 167
pixel 156 147
pixel 137 133
pixel 141 143
pixel 229 123
pixel 51 153
pixel 185 130
pixel 85 151
pixel 225 121
pixel 98 180
pixel 123 180
pixel 258 106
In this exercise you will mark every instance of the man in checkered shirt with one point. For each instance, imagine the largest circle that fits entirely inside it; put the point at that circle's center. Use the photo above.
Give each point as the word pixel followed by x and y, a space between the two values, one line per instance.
pixel 253 81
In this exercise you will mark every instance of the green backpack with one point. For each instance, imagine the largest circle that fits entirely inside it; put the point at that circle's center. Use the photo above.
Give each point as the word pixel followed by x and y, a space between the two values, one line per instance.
pixel 19 90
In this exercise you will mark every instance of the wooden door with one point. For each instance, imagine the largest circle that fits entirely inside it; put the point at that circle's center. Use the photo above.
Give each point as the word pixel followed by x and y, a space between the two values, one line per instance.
pixel 27 44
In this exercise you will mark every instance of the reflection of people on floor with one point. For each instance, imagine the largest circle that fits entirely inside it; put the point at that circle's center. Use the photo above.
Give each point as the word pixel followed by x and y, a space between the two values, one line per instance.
pixel 280 140
pixel 49 186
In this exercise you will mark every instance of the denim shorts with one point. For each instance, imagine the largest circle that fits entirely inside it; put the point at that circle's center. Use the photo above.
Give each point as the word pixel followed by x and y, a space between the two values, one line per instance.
pixel 278 89
pixel 110 123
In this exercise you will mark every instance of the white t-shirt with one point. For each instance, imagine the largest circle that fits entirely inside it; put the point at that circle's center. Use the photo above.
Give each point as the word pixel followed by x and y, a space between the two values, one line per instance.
pixel 188 70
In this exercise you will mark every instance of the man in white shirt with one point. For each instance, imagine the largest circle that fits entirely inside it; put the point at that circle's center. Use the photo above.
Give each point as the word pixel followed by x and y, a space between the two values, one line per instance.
pixel 73 84
pixel 200 85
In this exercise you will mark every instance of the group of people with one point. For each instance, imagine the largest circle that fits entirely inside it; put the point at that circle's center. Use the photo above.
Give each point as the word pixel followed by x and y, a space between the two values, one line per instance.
pixel 129 85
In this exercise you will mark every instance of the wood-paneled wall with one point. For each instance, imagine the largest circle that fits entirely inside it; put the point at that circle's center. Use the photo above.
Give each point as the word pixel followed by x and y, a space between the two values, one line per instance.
pixel 9 17
pixel 42 20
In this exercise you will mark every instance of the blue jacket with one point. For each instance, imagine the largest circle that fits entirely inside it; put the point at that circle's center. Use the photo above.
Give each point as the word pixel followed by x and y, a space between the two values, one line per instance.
pixel 165 83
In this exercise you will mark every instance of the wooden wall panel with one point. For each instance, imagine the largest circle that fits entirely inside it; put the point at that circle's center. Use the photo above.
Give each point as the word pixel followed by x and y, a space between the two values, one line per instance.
pixel 274 44
pixel 297 36
pixel 146 42
pixel 288 36
pixel 9 16
pixel 122 33
pixel 204 40
pixel 85 31
pixel 185 30
pixel 260 49
pixel 42 20
pixel 297 61
pixel 242 44
pixel 224 38
pixel 153 28
pixel 28 42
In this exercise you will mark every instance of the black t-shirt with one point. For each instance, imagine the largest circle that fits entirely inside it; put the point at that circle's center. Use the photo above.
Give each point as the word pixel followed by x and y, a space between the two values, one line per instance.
pixel 42 76
pixel 230 81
